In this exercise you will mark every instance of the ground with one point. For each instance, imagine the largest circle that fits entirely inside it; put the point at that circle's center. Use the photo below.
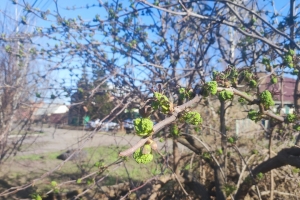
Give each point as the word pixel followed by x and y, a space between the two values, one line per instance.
pixel 39 151
pixel 38 158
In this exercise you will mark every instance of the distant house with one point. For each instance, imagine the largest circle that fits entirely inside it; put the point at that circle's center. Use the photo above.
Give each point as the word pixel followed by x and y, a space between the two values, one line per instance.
pixel 25 112
pixel 288 93
pixel 51 113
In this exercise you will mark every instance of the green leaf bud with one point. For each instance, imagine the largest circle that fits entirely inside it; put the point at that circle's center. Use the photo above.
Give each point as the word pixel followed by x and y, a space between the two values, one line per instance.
pixel 174 130
pixel 248 76
pixel 297 127
pixel 254 115
pixel 242 100
pixel 219 151
pixel 181 93
pixel 143 126
pixel 259 176
pixel 225 95
pixel 295 72
pixel 146 149
pixel 193 118
pixel 290 118
pixel 231 140
pixel 139 157
pixel 266 99
pixel 160 97
pixel 53 183
pixel 274 80
pixel 288 59
pixel 268 68
pixel 211 87
pixel 291 52
pixel 265 61
pixel 253 84
pixel 291 65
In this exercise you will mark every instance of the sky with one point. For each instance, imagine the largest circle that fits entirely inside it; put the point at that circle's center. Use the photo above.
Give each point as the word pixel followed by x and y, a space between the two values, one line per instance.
pixel 280 6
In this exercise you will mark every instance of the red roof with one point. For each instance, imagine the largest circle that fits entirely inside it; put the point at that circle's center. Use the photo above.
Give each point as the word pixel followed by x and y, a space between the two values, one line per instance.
pixel 288 88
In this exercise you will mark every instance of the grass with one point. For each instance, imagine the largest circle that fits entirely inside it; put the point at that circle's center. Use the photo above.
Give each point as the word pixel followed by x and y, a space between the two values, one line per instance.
pixel 97 156
pixel 34 157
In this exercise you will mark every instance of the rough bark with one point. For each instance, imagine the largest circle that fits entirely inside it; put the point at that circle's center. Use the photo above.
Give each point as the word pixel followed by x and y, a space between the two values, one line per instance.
pixel 288 156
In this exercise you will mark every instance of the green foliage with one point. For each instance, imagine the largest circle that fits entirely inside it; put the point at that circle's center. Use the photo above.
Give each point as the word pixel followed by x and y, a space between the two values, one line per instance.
pixel 188 167
pixel 254 151
pixel 174 130
pixel 291 52
pixel 268 68
pixel 193 118
pixel 253 84
pixel 143 156
pixel 102 106
pixel 36 196
pixel 295 72
pixel 80 90
pixel 156 3
pixel 274 80
pixel 143 126
pixel 160 97
pixel 89 181
pixel 253 20
pixel 296 170
pixel 78 181
pixel 242 100
pixel 8 49
pixel 210 88
pixel 297 127
pixel 215 74
pixel 184 93
pixel 219 151
pixel 248 75
pixel 266 99
pixel 161 101
pixel 99 164
pixel 206 155
pixel 288 60
pixel 231 140
pixel 265 61
pixel 147 149
pixel 290 118
pixel 225 95
pixel 260 175
pixel 38 95
pixel 254 115
pixel 181 93
pixel 53 183
pixel 229 189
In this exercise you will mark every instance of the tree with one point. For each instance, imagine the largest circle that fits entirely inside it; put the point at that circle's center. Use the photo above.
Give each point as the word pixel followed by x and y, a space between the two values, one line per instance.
pixel 19 77
pixel 92 98
pixel 178 44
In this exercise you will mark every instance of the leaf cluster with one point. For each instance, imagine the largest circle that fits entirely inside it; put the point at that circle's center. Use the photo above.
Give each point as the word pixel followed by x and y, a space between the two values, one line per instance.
pixel 225 95
pixel 193 118
pixel 143 126
pixel 143 155
pixel 266 99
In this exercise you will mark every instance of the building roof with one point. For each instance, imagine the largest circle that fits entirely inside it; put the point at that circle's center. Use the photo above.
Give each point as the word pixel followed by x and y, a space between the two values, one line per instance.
pixel 46 109
pixel 288 88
